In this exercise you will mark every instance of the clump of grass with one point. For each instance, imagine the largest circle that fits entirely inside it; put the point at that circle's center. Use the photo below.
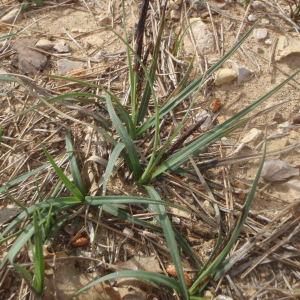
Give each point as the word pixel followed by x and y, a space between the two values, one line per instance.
pixel 130 126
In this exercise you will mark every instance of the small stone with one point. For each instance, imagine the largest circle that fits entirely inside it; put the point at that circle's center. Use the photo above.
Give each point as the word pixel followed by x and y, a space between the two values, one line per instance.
pixel 175 220
pixel 252 18
pixel 277 170
pixel 62 47
pixel 287 47
pixel 11 16
pixel 268 42
pixel 258 5
pixel 204 38
pixel 260 33
pixel 225 76
pixel 27 60
pixel 244 74
pixel 44 44
pixel 66 66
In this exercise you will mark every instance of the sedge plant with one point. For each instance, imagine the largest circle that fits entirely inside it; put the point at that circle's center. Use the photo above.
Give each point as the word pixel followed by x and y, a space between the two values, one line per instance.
pixel 128 126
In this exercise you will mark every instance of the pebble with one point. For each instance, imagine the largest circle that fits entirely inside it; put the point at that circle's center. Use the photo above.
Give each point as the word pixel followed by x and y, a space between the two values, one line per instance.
pixel 66 66
pixel 44 44
pixel 11 16
pixel 277 170
pixel 27 60
pixel 225 76
pixel 260 33
pixel 175 220
pixel 204 38
pixel 286 47
pixel 244 74
pixel 252 18
pixel 258 5
pixel 268 42
pixel 61 47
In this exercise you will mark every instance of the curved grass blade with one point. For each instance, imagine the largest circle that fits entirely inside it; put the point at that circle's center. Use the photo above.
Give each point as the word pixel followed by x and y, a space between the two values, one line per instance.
pixel 214 265
pixel 155 278
pixel 193 86
pixel 69 184
pixel 74 166
pixel 216 133
pixel 170 239
pixel 130 147
pixel 113 157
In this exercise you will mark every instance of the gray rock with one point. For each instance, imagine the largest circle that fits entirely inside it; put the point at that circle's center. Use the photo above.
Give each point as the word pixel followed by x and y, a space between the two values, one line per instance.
pixel 204 38
pixel 61 47
pixel 11 16
pixel 66 66
pixel 258 5
pixel 27 60
pixel 277 170
pixel 244 74
pixel 260 33
pixel 44 44
pixel 225 76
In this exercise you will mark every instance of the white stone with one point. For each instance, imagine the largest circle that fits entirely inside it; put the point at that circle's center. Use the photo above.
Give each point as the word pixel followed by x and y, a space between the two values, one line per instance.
pixel 225 76
pixel 44 44
pixel 252 18
pixel 268 42
pixel 11 16
pixel 203 37
pixel 260 33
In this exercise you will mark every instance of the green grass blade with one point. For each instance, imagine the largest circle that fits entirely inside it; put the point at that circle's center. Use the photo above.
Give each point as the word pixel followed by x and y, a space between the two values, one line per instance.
pixel 19 243
pixel 74 166
pixel 126 139
pixel 216 133
pixel 113 157
pixel 170 240
pixel 69 184
pixel 212 267
pixel 193 86
pixel 38 257
pixel 155 278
